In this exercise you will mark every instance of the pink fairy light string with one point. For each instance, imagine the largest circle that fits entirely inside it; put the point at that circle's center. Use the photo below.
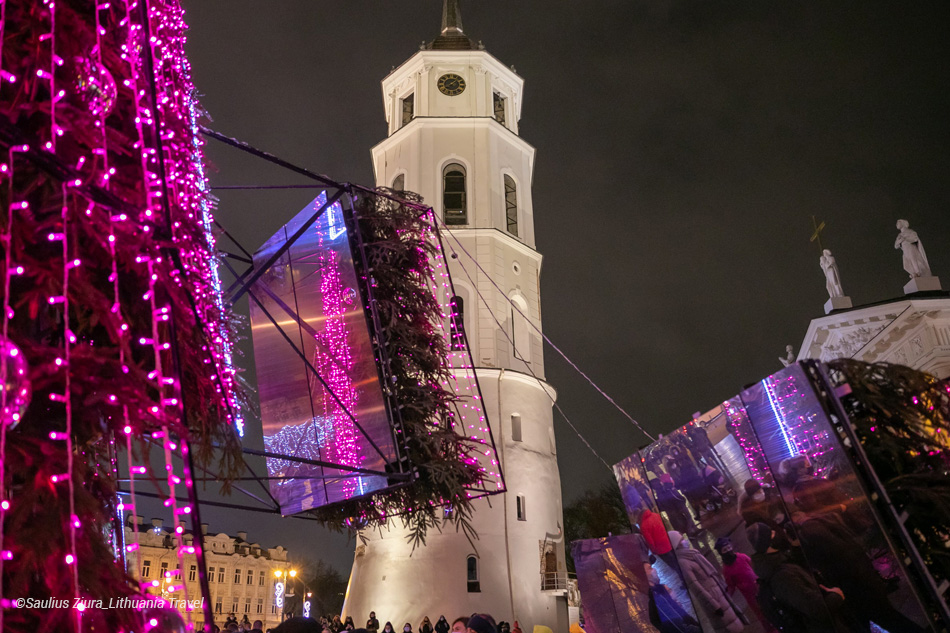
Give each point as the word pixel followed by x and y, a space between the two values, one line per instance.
pixel 68 340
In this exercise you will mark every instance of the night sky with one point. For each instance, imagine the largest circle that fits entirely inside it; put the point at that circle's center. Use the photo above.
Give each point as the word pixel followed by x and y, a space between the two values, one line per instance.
pixel 683 147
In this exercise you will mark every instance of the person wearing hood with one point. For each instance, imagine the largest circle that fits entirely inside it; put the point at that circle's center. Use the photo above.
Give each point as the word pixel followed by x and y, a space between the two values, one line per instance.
pixel 789 595
pixel 707 587
pixel 738 574
pixel 388 627
pixel 760 504
pixel 654 534
pixel 372 624
pixel 442 626
pixel 666 614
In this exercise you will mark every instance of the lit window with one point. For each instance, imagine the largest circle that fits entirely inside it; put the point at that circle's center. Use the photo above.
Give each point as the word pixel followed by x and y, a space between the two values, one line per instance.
pixel 399 184
pixel 498 103
pixel 457 323
pixel 515 427
pixel 453 194
pixel 471 572
pixel 237 576
pixel 519 506
pixel 511 205
pixel 408 109
pixel 192 573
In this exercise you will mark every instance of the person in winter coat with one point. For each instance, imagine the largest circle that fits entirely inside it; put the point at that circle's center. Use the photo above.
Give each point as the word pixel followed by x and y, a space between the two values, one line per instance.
pixel 797 602
pixel 654 533
pixel 738 574
pixel 442 626
pixel 425 626
pixel 670 501
pixel 372 624
pixel 835 553
pixel 760 504
pixel 707 587
pixel 666 614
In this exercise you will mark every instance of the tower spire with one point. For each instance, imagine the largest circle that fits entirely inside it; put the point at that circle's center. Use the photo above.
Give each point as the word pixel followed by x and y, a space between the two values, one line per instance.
pixel 451 18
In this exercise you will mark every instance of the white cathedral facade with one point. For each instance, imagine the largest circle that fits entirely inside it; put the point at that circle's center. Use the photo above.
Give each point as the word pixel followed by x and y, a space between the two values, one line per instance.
pixel 452 111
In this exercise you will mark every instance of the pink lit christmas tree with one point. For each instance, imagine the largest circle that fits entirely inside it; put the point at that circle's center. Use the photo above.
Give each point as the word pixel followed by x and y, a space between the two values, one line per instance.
pixel 113 335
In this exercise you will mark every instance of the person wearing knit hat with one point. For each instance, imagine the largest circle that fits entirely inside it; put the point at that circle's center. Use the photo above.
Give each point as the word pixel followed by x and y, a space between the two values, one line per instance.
pixel 481 623
pixel 760 537
pixel 738 573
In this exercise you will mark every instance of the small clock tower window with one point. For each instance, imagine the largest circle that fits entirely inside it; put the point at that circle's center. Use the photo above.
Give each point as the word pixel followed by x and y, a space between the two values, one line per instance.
pixel 498 103
pixel 453 194
pixel 511 205
pixel 408 108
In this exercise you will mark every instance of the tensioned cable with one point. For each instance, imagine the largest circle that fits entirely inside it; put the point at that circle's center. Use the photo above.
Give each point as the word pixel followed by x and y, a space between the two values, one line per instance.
pixel 271 158
pixel 543 335
pixel 528 367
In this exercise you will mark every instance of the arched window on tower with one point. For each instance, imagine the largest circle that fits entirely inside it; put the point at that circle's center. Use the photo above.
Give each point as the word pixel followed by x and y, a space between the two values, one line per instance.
pixel 511 205
pixel 471 574
pixel 453 195
pixel 457 324
pixel 399 184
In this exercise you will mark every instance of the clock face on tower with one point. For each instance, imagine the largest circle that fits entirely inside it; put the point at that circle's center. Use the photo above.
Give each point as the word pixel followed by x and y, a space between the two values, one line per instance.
pixel 451 84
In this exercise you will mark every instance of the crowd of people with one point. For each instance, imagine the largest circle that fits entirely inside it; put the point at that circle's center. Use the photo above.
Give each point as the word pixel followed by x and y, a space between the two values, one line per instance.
pixel 807 565
pixel 477 623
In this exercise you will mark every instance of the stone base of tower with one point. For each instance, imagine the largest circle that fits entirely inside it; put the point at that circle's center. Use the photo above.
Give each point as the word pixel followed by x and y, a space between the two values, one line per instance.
pixel 518 572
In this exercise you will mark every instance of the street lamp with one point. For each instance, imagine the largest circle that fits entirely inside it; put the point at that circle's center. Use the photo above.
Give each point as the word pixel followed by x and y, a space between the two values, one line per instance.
pixel 289 593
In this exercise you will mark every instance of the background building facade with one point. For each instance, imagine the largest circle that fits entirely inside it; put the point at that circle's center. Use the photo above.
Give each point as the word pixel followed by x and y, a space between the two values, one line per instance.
pixel 241 575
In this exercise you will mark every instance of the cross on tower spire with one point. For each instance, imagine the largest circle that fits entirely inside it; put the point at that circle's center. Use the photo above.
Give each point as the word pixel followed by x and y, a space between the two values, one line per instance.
pixel 451 18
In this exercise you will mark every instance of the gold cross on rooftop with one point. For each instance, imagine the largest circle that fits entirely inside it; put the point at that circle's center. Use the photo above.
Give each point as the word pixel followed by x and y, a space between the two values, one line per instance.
pixel 816 236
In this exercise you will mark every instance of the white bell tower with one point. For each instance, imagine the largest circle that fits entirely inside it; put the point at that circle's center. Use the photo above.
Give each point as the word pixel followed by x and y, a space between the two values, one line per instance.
pixel 453 112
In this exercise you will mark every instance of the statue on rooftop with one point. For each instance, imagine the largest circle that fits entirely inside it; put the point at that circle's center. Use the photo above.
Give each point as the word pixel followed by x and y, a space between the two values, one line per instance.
pixel 832 276
pixel 789 356
pixel 915 259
